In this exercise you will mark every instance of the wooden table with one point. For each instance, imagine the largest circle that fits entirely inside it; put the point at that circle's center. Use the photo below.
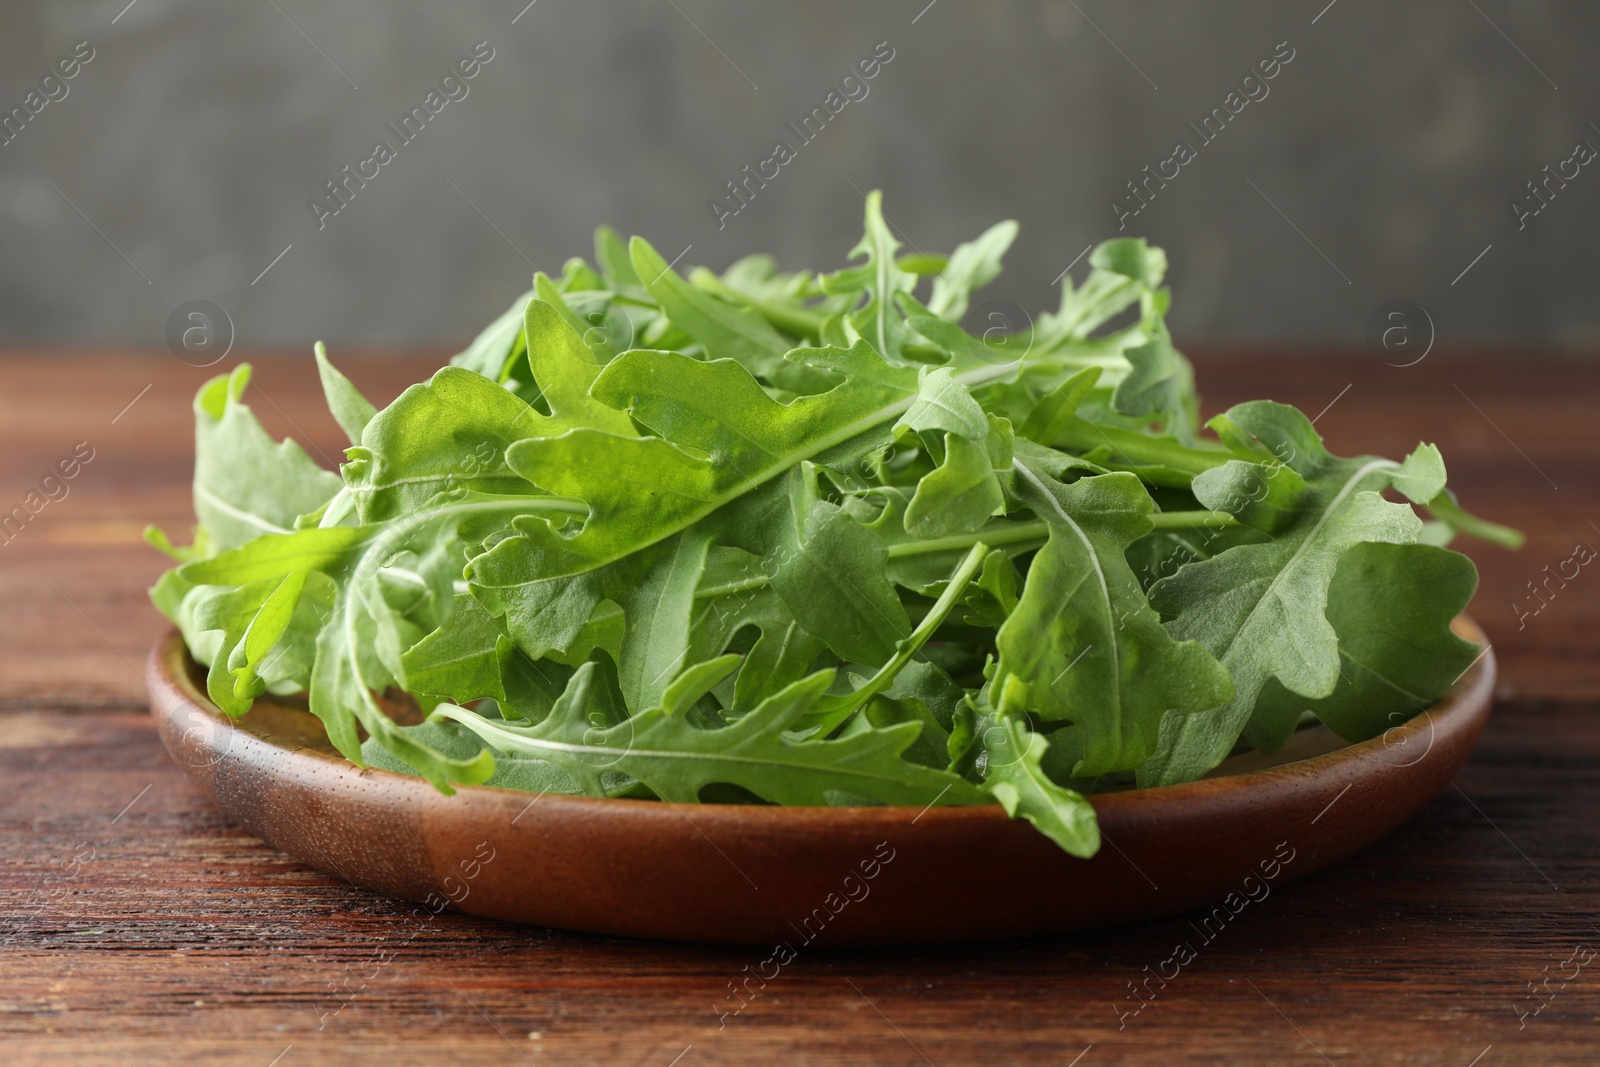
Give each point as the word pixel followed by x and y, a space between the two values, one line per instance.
pixel 137 926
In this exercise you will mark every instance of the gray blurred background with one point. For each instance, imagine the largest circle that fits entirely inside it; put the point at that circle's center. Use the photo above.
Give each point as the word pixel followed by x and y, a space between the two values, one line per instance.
pixel 1382 164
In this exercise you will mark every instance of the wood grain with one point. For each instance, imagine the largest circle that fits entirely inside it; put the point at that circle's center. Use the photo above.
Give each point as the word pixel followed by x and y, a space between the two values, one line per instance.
pixel 136 926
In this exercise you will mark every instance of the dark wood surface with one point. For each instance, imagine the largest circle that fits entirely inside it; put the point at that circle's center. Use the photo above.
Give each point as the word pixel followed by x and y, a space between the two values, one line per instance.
pixel 137 926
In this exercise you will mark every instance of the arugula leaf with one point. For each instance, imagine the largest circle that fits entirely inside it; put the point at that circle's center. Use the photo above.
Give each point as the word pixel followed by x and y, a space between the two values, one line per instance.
pixel 994 595
pixel 493 350
pixel 830 572
pixel 600 325
pixel 780 298
pixel 1391 606
pixel 1082 645
pixel 1449 511
pixel 722 436
pixel 245 484
pixel 462 659
pixel 1160 381
pixel 881 280
pixel 275 555
pixel 965 489
pixel 1055 412
pixel 510 772
pixel 351 410
pixel 676 759
pixel 736 593
pixel 657 600
pixel 726 331
pixel 1014 777
pixel 1259 608
pixel 446 434
pixel 973 265
pixel 1120 271
pixel 616 264
pixel 234 612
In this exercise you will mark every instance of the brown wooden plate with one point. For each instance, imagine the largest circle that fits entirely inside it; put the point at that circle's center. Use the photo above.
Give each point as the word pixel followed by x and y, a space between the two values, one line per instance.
pixel 789 877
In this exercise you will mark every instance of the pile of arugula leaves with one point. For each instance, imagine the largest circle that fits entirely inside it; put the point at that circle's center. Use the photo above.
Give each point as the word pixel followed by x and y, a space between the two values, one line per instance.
pixel 802 539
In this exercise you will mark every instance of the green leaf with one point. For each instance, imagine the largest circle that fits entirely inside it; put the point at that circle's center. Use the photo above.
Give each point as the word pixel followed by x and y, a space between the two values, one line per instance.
pixel 993 597
pixel 1421 476
pixel 973 265
pixel 245 484
pixel 964 351
pixel 695 682
pixel 1056 411
pixel 1259 608
pixel 565 369
pixel 1082 644
pixel 921 264
pixel 943 404
pixel 599 327
pixel 881 280
pixel 1121 271
pixel 676 759
pixel 492 351
pixel 616 266
pixel 232 611
pixel 736 594
pixel 351 410
pixel 656 594
pixel 836 708
pixel 453 432
pixel 1391 607
pixel 578 277
pixel 964 491
pixel 1160 381
pixel 361 648
pixel 779 296
pixel 157 539
pixel 1263 496
pixel 830 571
pixel 448 433
pixel 462 659
pixel 457 742
pixel 726 331
pixel 722 436
pixel 1015 778
pixel 265 630
pixel 275 555
pixel 1160 553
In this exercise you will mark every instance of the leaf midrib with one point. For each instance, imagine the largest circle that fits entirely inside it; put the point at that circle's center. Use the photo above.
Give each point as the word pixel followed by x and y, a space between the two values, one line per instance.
pixel 1382 677
pixel 1105 588
pixel 246 517
pixel 1305 546
pixel 781 463
pixel 712 757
